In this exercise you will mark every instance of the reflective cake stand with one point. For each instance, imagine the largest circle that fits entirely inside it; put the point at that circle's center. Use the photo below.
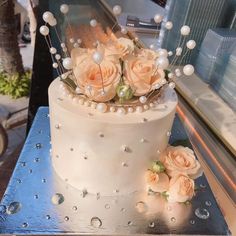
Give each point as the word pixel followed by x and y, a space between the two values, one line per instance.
pixel 38 202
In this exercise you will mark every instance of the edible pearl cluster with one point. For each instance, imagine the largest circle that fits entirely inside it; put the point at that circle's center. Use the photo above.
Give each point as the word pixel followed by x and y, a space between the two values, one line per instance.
pixel 106 107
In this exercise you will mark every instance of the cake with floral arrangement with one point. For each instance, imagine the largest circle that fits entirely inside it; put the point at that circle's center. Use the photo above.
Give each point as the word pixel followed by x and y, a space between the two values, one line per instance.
pixel 111 112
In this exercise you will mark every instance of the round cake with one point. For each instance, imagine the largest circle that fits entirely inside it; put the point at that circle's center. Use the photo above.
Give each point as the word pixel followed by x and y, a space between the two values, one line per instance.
pixel 107 153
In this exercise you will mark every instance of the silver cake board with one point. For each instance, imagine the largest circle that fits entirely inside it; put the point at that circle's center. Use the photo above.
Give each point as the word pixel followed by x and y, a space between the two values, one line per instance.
pixel 38 202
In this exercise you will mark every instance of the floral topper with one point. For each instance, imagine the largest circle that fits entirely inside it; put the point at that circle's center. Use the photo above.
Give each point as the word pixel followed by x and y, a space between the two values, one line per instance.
pixel 117 72
pixel 174 173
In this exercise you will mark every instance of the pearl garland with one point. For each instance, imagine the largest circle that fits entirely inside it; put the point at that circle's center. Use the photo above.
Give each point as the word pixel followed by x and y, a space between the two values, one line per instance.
pixel 191 44
pixel 169 25
pixel 97 57
pixel 67 63
pixel 162 62
pixel 93 23
pixel 47 16
pixel 188 70
pixel 44 30
pixel 117 10
pixel 158 18
pixel 101 107
pixel 124 30
pixel 185 30
pixel 64 8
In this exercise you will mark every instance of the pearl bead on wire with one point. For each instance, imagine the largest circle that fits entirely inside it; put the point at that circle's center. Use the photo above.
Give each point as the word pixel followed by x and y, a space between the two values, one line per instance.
pixel 93 23
pixel 97 57
pixel 169 25
pixel 185 30
pixel 158 18
pixel 191 44
pixel 117 10
pixel 124 30
pixel 53 22
pixel 44 30
pixel 64 8
pixel 67 63
pixel 47 16
pixel 162 63
pixel 188 70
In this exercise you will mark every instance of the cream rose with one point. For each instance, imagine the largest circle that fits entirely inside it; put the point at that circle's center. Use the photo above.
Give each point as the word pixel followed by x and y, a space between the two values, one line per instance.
pixel 120 48
pixel 157 182
pixel 181 188
pixel 98 85
pixel 141 75
pixel 181 160
pixel 147 54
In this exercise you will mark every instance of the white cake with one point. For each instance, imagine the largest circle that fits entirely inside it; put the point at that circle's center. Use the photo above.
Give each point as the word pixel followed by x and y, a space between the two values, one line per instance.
pixel 107 153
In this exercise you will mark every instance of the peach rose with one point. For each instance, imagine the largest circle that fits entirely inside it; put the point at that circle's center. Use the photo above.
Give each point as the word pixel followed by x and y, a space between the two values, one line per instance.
pixel 181 188
pixel 157 182
pixel 181 160
pixel 147 54
pixel 80 55
pixel 96 87
pixel 139 74
pixel 120 48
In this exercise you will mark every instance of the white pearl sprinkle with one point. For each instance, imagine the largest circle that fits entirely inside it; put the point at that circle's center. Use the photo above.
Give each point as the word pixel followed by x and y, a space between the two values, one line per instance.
pixel 63 45
pixel 97 57
pixel 146 107
pixel 57 126
pixel 185 30
pixel 72 40
pixel 130 109
pixel 158 18
pixel 79 41
pixel 81 101
pixel 191 44
pixel 188 70
pixel 93 23
pixel 76 45
pixel 64 49
pixel 172 85
pixel 78 90
pixel 143 99
pixel 67 63
pixel 53 50
pixel 170 53
pixel 142 140
pixel 44 30
pixel 139 109
pixel 170 75
pixel 124 164
pixel 124 30
pixel 112 109
pixel 178 51
pixel 101 107
pixel 47 16
pixel 169 25
pixel 121 111
pixel 151 105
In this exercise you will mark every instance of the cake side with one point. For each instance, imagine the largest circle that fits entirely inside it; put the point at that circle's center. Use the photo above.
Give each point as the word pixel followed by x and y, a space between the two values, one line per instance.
pixel 107 153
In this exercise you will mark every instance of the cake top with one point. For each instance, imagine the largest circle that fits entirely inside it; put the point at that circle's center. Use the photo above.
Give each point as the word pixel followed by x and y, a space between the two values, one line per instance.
pixel 115 74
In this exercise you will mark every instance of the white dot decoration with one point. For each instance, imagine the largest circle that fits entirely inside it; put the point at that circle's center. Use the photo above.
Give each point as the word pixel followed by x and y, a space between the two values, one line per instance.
pixel 143 140
pixel 191 44
pixel 93 23
pixel 101 107
pixel 170 75
pixel 117 10
pixel 124 148
pixel 67 63
pixel 170 53
pixel 121 111
pixel 47 16
pixel 162 53
pixel 188 70
pixel 124 164
pixel 64 8
pixel 185 30
pixel 169 25
pixel 44 30
pixel 158 18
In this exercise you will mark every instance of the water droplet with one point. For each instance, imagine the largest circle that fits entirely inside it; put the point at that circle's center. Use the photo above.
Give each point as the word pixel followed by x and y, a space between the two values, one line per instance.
pixel 66 218
pixel 23 163
pixel 48 217
pixel 19 181
pixel 38 145
pixel 192 222
pixel 96 222
pixel 202 185
pixel 13 208
pixel 84 193
pixel 141 207
pixel 173 219
pixel 71 149
pixel 75 208
pixel 130 223
pixel 208 203
pixel 44 180
pixel 3 209
pixel 202 213
pixel 36 196
pixel 36 159
pixel 57 199
pixel 107 206
pixel 40 132
pixel 24 225
pixel 151 225
pixel 30 171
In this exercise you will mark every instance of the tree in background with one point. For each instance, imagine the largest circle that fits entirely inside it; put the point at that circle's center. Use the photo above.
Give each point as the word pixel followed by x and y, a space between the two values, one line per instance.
pixel 10 57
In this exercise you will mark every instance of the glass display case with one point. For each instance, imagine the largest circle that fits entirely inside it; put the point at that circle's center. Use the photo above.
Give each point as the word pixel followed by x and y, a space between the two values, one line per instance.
pixel 209 120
